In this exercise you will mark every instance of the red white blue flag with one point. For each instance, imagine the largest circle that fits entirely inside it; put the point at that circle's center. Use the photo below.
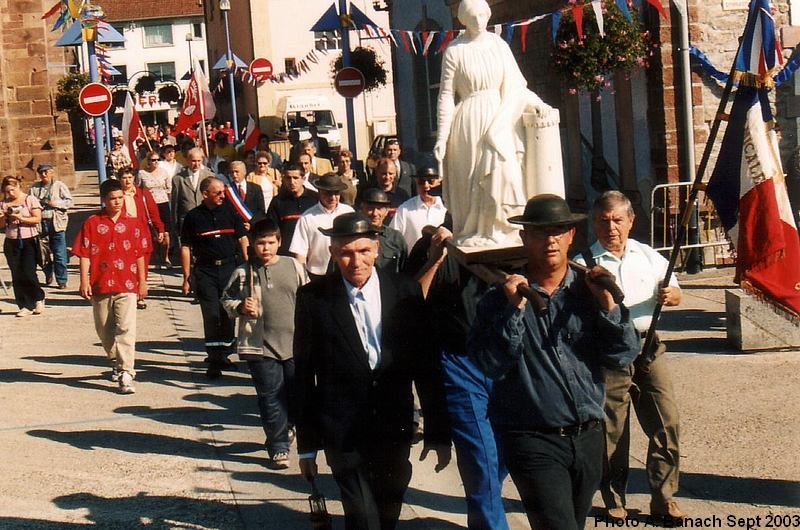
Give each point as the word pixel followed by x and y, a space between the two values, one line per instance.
pixel 748 186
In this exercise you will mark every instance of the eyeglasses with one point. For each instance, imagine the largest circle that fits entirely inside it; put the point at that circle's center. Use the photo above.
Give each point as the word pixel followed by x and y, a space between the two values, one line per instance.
pixel 429 180
pixel 154 159
pixel 263 163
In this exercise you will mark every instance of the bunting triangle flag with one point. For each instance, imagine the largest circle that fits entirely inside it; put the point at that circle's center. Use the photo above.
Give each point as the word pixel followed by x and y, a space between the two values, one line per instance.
pixel 556 22
pixel 429 36
pixel 510 33
pixel 659 8
pixel 598 15
pixel 53 10
pixel 577 14
pixel 523 36
pixel 448 36
pixel 623 7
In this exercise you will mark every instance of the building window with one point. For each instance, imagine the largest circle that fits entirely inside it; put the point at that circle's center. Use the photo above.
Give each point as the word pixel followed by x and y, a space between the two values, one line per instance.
pixel 157 36
pixel 162 71
pixel 197 31
pixel 122 77
pixel 290 66
pixel 327 40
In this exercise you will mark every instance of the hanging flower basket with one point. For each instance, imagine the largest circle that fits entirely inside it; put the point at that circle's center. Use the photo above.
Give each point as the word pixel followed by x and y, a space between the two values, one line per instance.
pixel 368 62
pixel 585 63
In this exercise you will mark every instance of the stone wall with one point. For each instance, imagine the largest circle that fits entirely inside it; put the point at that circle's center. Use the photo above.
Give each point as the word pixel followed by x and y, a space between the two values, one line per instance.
pixel 31 130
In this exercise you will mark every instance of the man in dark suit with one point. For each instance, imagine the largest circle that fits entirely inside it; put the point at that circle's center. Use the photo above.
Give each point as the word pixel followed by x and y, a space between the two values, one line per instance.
pixel 406 171
pixel 359 343
pixel 251 193
pixel 186 194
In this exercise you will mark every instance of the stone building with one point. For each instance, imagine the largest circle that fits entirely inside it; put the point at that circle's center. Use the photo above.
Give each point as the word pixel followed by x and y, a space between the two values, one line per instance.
pixel 31 130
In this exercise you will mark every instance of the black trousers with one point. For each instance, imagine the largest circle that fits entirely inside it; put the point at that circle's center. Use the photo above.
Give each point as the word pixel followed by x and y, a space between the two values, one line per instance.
pixel 372 482
pixel 21 259
pixel 218 328
pixel 556 476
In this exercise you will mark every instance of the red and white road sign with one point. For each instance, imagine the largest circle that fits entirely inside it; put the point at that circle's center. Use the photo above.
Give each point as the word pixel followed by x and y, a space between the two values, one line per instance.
pixel 349 82
pixel 260 68
pixel 95 99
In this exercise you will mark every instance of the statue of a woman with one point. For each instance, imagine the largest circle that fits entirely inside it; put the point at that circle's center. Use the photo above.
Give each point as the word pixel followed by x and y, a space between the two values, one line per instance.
pixel 480 144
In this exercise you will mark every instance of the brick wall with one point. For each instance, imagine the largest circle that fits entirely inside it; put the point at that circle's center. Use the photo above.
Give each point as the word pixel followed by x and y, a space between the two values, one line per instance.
pixel 31 130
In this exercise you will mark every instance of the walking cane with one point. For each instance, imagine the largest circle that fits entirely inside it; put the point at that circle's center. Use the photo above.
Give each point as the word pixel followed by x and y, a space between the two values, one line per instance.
pixel 320 519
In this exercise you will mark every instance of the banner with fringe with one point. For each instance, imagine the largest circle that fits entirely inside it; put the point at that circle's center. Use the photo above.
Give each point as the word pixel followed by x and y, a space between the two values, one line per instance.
pixel 784 75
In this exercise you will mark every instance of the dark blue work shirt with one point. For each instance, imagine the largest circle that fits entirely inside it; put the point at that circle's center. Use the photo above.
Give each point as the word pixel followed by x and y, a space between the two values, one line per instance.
pixel 548 368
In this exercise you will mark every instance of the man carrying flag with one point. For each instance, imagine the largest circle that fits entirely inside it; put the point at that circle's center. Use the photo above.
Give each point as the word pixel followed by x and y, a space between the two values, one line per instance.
pixel 747 186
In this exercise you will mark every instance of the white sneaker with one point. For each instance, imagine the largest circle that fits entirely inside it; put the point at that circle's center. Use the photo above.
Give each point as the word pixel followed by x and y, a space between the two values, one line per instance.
pixel 39 307
pixel 115 374
pixel 126 383
pixel 24 312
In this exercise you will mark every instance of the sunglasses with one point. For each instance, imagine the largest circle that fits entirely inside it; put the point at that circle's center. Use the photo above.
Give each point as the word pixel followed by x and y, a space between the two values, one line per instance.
pixel 154 159
pixel 263 163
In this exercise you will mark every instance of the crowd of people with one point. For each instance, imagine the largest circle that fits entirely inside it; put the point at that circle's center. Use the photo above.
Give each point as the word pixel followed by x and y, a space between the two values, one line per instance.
pixel 337 277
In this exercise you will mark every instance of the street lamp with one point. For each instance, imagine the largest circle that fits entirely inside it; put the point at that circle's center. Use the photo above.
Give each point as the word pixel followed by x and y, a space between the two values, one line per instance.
pixel 225 6
pixel 189 39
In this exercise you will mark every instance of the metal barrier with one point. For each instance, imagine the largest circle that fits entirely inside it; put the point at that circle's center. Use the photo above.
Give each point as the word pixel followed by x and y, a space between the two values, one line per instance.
pixel 666 203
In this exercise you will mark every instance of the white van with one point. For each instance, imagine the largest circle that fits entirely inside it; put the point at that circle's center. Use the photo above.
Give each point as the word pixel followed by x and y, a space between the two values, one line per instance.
pixel 299 112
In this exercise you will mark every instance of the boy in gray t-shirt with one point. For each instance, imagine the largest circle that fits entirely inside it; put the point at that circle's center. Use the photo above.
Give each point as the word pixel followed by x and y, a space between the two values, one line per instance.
pixel 261 295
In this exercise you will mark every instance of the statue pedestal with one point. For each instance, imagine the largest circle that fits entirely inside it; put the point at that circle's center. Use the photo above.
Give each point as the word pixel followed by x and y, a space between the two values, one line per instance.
pixel 543 165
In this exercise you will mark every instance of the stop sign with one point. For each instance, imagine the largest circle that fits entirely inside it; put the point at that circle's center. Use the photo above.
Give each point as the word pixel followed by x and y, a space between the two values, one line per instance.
pixel 260 68
pixel 349 82
pixel 95 99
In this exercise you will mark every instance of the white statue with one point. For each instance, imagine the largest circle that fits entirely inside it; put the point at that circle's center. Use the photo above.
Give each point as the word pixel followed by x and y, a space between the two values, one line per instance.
pixel 480 146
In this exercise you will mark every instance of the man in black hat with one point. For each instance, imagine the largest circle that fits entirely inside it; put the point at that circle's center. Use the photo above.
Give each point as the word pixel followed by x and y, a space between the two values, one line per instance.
pixel 424 209
pixel 309 245
pixel 547 402
pixel 392 251
pixel 359 343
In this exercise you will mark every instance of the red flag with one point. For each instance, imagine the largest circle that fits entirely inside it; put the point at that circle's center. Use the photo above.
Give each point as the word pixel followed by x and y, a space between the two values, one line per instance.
pixel 131 129
pixel 251 134
pixel 197 105
pixel 524 36
pixel 577 14
pixel 53 10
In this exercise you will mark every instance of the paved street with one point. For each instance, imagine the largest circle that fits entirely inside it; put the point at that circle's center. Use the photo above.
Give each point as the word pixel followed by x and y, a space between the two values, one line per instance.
pixel 184 453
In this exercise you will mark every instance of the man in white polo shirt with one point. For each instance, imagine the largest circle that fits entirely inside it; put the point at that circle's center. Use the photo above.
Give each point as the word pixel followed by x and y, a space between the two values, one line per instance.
pixel 310 246
pixel 420 210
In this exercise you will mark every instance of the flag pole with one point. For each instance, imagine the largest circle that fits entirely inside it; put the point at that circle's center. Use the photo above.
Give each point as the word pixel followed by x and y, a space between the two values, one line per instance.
pixel 202 115
pixel 688 207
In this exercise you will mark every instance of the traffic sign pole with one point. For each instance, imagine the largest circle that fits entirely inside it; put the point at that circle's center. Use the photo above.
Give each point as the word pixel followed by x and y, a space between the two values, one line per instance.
pixel 99 143
pixel 348 102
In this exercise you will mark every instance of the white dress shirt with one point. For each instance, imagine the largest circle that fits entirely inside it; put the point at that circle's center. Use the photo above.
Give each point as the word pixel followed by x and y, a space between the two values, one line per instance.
pixel 365 304
pixel 413 215
pixel 639 274
pixel 308 241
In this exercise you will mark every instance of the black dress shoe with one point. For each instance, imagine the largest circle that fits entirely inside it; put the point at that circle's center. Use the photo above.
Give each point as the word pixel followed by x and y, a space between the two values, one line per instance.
pixel 213 372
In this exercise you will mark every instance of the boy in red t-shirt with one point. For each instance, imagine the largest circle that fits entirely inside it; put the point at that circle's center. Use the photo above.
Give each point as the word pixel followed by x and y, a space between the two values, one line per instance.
pixel 109 246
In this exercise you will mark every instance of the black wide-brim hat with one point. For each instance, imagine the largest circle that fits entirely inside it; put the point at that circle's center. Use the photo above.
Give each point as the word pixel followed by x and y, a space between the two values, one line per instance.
pixel 330 182
pixel 375 196
pixel 352 224
pixel 547 210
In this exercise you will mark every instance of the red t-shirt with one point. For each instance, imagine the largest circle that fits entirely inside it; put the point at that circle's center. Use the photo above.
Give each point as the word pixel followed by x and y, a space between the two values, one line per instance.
pixel 112 249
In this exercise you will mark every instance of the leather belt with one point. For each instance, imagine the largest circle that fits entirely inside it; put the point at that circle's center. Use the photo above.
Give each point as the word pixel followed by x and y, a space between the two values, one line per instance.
pixel 214 262
pixel 569 430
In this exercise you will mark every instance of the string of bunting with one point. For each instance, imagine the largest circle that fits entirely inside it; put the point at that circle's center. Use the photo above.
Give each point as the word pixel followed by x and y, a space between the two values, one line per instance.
pixel 712 71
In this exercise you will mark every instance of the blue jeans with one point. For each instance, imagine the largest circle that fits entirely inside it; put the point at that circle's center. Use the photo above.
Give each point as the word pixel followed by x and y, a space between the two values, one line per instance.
pixel 58 246
pixel 274 381
pixel 479 463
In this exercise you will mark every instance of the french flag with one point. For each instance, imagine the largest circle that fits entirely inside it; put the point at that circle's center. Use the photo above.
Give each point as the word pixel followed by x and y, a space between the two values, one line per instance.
pixel 251 134
pixel 749 193
pixel 243 211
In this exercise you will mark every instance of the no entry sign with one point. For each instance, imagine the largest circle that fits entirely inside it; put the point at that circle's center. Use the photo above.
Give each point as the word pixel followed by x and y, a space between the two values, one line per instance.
pixel 349 82
pixel 260 68
pixel 95 99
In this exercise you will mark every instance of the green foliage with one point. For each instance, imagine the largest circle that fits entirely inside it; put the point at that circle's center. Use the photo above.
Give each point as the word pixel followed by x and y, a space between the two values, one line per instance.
pixel 365 60
pixel 69 87
pixel 146 83
pixel 584 64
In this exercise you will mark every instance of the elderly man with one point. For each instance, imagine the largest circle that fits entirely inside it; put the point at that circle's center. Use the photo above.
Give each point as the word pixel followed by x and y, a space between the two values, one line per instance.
pixel 405 170
pixel 639 270
pixel 547 401
pixel 422 210
pixel 186 193
pixel 215 234
pixel 55 199
pixel 392 252
pixel 310 246
pixel 354 367
pixel 250 193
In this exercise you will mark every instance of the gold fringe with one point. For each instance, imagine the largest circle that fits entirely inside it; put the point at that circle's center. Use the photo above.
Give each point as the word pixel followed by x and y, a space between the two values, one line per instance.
pixel 752 80
pixel 777 307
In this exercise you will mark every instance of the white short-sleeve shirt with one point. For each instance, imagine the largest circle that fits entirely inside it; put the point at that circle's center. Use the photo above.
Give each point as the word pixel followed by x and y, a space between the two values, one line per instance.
pixel 308 241
pixel 639 274
pixel 413 215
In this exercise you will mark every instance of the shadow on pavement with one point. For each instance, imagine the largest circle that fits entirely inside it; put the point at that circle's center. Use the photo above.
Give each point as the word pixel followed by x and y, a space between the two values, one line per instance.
pixel 737 490
pixel 687 319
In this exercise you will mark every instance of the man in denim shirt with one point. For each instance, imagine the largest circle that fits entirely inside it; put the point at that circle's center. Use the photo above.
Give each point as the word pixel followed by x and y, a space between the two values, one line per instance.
pixel 547 404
